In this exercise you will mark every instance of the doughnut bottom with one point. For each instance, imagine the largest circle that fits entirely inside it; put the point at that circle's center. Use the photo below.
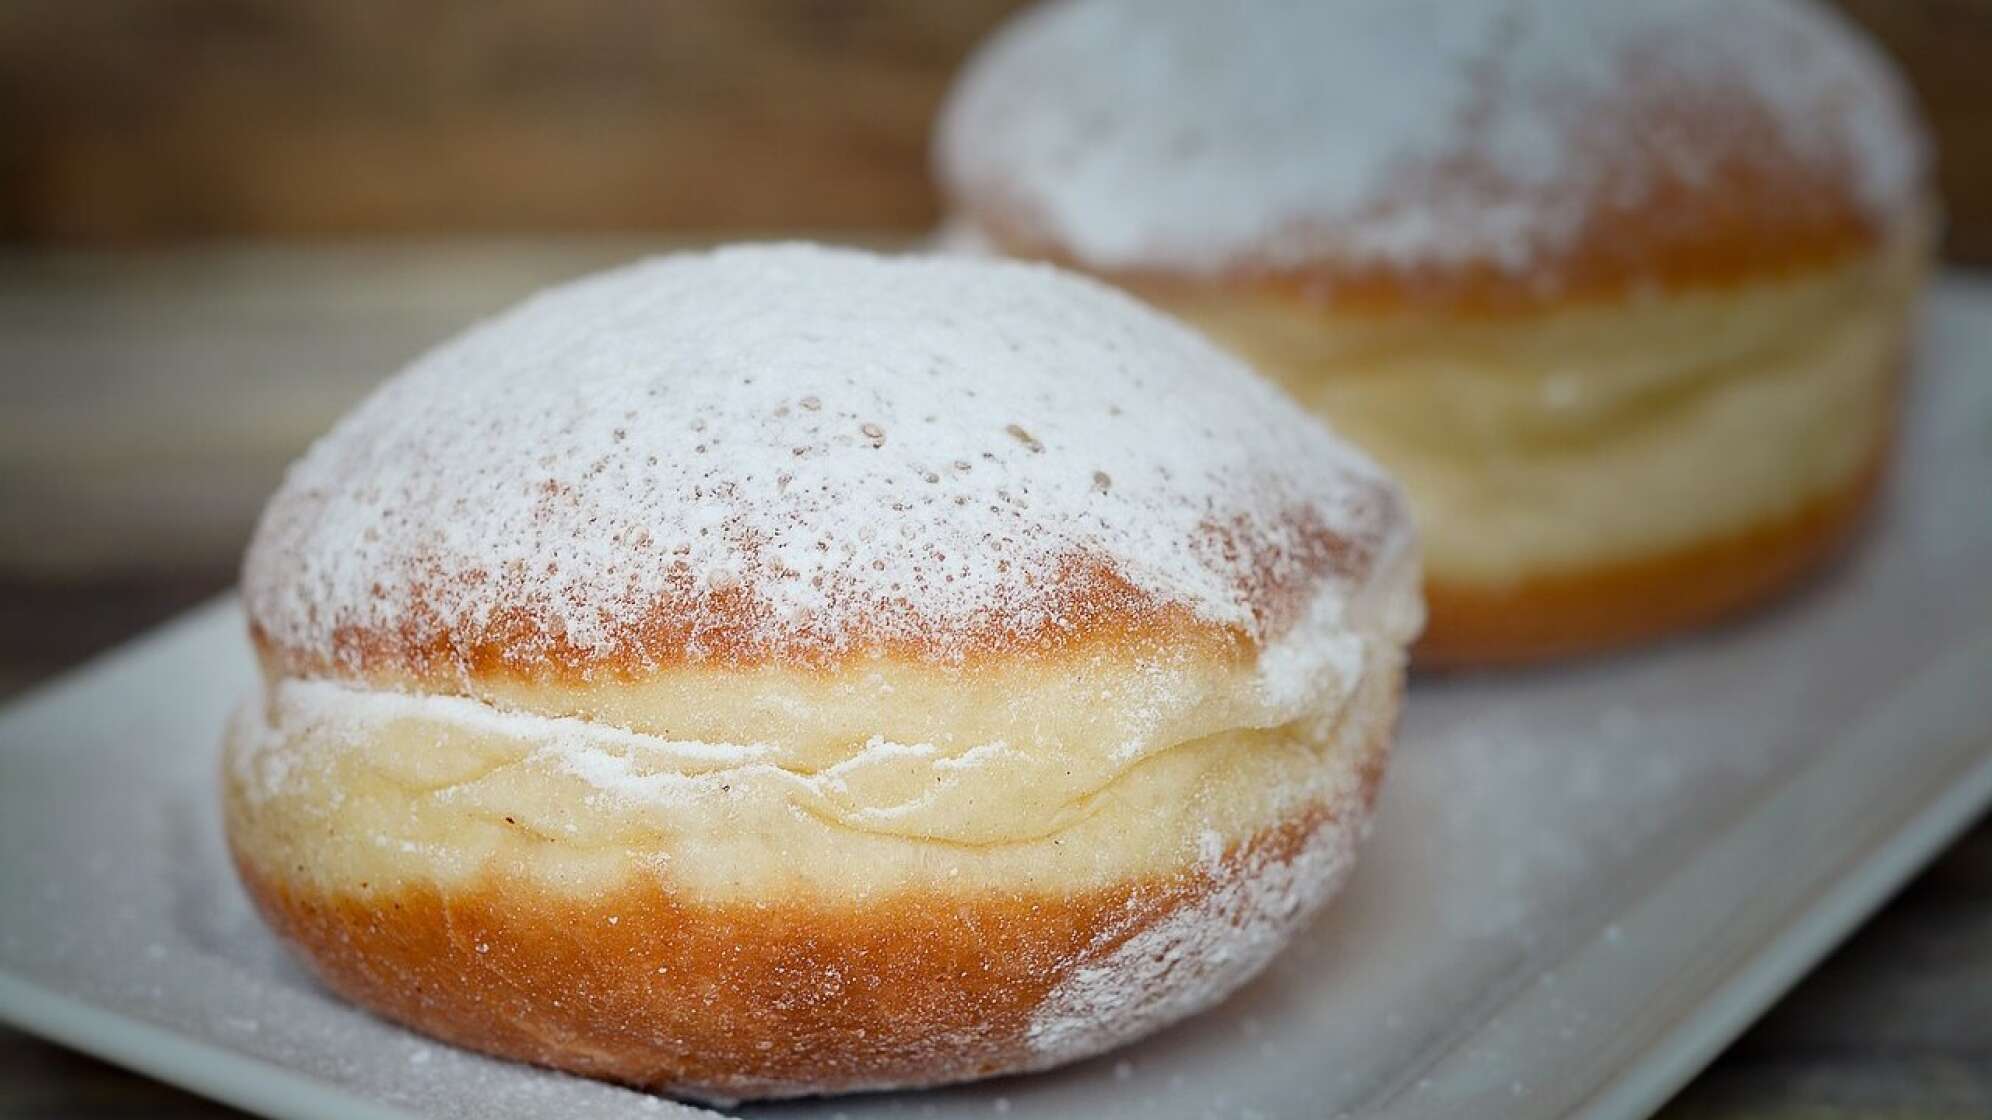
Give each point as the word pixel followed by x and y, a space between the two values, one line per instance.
pixel 1568 614
pixel 785 988
pixel 783 999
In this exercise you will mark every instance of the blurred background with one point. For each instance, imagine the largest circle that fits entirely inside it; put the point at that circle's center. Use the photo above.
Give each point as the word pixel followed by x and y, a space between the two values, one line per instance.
pixel 140 122
pixel 228 218
pixel 221 221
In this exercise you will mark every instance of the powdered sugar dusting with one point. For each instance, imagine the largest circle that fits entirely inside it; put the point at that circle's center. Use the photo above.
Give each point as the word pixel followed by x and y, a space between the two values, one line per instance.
pixel 1320 651
pixel 1194 955
pixel 286 733
pixel 789 451
pixel 1185 135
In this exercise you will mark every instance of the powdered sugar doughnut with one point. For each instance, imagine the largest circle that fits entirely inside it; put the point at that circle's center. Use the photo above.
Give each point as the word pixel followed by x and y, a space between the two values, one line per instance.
pixel 1617 289
pixel 785 671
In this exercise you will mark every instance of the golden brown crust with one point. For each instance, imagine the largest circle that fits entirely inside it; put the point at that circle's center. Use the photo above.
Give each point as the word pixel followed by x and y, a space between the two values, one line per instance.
pixel 785 998
pixel 1764 224
pixel 1748 208
pixel 1623 604
pixel 1095 608
pixel 1084 605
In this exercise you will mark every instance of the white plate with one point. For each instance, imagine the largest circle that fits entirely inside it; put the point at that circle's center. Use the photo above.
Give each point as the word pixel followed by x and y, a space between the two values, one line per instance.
pixel 1584 880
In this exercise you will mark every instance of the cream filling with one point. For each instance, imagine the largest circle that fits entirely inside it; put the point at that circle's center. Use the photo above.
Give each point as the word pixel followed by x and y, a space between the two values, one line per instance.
pixel 1587 436
pixel 346 787
pixel 1049 781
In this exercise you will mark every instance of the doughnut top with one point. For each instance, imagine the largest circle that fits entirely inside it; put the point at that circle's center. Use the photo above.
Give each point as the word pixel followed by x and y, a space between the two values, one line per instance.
pixel 1462 150
pixel 800 455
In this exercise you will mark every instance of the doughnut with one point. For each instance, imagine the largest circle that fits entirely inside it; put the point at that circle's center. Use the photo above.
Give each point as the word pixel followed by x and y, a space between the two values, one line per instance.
pixel 784 670
pixel 1618 290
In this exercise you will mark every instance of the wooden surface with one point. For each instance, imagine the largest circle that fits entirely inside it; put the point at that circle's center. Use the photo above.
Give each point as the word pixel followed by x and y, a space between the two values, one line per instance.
pixel 1945 46
pixel 148 404
pixel 146 119
pixel 127 120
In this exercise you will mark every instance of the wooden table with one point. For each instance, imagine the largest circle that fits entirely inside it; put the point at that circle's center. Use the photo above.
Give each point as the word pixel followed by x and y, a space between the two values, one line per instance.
pixel 149 402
